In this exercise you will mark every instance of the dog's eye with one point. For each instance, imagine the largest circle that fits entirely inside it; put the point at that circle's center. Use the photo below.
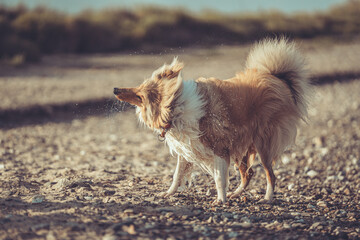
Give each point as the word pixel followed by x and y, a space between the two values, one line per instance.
pixel 138 97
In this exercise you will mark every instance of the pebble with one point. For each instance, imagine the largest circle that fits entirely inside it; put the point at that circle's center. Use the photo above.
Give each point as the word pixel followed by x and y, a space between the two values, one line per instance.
pixel 285 159
pixel 286 226
pixel 298 225
pixel 233 234
pixel 129 229
pixel 62 183
pixel 315 225
pixel 319 141
pixel 40 226
pixel 347 191
pixel 312 173
pixel 321 204
pixel 271 225
pixel 109 236
pixel 323 151
pixel 310 206
pixel 88 198
pixel 37 199
pixel 245 225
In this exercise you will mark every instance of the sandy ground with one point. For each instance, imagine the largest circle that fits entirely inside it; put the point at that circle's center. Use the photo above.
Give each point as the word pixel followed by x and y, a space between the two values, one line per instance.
pixel 96 175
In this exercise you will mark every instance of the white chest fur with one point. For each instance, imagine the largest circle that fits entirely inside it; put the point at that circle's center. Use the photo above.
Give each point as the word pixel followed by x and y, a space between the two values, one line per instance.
pixel 184 137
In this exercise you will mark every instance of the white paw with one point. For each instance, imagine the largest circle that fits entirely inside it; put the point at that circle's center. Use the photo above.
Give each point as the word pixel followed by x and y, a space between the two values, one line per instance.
pixel 218 202
pixel 233 195
pixel 265 201
pixel 165 194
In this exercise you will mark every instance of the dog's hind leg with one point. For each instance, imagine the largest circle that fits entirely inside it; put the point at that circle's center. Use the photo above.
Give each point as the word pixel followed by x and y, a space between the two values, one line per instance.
pixel 270 178
pixel 183 168
pixel 245 170
pixel 221 177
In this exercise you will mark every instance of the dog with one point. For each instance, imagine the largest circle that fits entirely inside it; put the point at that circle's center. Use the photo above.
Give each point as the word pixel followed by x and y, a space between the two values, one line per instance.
pixel 210 122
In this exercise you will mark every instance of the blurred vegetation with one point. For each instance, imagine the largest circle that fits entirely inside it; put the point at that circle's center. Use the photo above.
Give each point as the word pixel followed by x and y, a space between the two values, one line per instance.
pixel 27 34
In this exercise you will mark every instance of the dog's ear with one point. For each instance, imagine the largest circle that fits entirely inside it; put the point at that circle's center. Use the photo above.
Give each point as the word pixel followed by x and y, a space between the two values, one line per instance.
pixel 169 71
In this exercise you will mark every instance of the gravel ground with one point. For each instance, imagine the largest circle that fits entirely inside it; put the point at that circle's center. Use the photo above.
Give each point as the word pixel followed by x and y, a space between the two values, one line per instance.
pixel 98 176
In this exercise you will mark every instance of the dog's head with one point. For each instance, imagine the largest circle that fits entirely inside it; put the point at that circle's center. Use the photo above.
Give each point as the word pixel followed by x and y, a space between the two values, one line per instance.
pixel 155 97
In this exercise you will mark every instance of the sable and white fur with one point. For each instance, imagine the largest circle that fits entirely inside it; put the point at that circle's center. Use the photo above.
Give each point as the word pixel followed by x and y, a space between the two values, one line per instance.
pixel 210 122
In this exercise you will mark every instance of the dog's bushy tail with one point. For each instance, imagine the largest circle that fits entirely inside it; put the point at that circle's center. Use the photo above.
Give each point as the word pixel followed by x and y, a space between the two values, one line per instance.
pixel 282 59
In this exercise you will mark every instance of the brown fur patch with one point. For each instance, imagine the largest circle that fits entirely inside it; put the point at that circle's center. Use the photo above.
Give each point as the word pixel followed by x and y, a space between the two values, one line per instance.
pixel 244 110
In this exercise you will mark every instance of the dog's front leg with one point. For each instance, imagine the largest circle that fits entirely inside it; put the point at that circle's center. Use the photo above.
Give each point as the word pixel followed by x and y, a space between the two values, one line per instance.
pixel 183 167
pixel 221 177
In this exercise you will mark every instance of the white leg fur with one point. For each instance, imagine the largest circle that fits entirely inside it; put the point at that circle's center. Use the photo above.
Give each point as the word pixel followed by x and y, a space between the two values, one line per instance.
pixel 182 168
pixel 221 177
pixel 269 191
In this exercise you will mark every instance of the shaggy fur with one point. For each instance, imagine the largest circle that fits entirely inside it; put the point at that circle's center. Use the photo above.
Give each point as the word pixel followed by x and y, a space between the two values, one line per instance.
pixel 211 122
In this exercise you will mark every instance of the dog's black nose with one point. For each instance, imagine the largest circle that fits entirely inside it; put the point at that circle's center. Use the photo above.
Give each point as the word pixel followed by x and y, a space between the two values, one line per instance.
pixel 116 90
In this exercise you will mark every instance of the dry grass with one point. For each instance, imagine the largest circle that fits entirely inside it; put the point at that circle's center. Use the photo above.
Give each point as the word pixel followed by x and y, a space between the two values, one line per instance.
pixel 31 33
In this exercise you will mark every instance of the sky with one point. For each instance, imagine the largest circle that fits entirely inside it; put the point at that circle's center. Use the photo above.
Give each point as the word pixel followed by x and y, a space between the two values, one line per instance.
pixel 226 6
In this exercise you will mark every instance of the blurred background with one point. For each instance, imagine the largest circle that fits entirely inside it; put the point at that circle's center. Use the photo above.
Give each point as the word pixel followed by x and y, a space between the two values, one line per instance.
pixel 32 28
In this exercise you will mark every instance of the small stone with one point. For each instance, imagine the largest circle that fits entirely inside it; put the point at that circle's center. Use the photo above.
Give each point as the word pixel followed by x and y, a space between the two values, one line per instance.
pixel 109 192
pixel 319 141
pixel 310 206
pixel 184 217
pixel 286 226
pixel 149 225
pixel 321 204
pixel 245 219
pixel 50 236
pixel 109 236
pixel 129 229
pixel 331 178
pixel 233 234
pixel 324 151
pixel 113 137
pixel 40 226
pixel 355 161
pixel 291 186
pixel 347 191
pixel 271 225
pixel 38 199
pixel 88 198
pixel 208 192
pixel 2 166
pixel 298 225
pixel 129 211
pixel 312 173
pixel 169 214
pixel 245 225
pixel 62 183
pixel 285 159
pixel 221 237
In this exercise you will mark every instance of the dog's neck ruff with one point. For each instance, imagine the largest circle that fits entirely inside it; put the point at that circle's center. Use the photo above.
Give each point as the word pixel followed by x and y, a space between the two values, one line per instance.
pixel 189 107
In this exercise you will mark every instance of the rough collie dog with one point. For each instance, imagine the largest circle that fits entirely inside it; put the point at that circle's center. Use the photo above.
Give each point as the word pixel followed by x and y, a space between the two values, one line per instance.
pixel 211 122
